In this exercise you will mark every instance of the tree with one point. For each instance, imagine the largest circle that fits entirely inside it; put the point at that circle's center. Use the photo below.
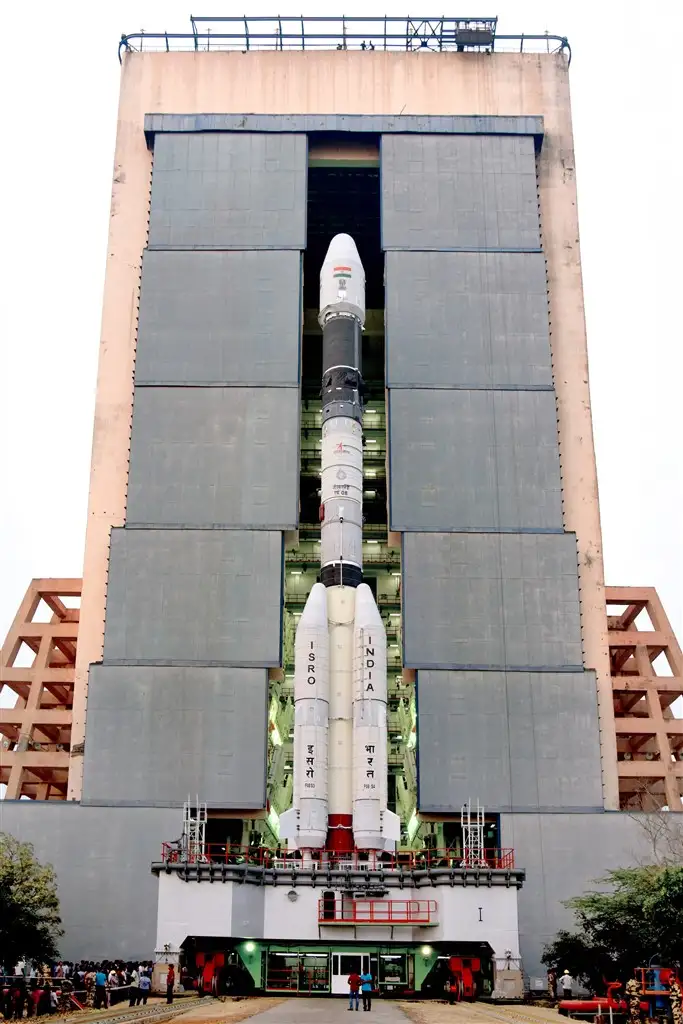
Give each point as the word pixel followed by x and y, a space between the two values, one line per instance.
pixel 664 832
pixel 640 917
pixel 29 905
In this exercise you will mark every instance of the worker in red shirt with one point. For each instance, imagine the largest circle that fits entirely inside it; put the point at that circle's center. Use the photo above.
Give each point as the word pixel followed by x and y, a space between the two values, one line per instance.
pixel 354 989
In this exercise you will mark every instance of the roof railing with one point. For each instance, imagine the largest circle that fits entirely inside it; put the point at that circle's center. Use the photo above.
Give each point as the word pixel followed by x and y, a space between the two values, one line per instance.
pixel 324 32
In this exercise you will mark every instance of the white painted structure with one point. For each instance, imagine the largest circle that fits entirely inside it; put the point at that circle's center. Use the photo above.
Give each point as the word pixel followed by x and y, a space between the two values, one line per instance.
pixel 285 913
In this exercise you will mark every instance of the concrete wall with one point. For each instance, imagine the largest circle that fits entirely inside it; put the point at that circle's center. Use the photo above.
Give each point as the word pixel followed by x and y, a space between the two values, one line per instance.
pixel 564 855
pixel 102 858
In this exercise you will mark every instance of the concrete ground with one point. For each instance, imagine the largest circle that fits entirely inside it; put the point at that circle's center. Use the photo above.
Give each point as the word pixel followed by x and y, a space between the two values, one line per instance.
pixel 436 1012
pixel 230 1011
pixel 329 1011
pixel 334 1011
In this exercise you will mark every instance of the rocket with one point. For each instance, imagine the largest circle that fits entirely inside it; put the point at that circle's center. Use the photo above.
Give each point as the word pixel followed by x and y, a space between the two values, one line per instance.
pixel 340 652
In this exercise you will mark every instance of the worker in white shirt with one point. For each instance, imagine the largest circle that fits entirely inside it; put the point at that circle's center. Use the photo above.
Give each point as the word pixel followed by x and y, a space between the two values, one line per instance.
pixel 567 985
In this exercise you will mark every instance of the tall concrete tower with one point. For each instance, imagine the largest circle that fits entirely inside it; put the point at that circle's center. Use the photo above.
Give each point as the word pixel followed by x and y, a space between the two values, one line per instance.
pixel 449 161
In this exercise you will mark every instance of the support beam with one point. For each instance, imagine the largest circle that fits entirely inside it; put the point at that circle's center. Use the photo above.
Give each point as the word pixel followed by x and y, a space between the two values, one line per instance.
pixel 44 692
pixel 642 699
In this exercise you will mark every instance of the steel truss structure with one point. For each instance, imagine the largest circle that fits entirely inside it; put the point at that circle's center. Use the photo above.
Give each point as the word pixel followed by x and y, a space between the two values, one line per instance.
pixel 647 678
pixel 37 664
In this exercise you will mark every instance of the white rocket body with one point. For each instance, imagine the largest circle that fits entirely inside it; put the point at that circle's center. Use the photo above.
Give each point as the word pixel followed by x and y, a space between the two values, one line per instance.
pixel 340 725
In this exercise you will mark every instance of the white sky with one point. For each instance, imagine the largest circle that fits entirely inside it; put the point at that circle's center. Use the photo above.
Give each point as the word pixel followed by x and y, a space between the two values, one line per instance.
pixel 60 77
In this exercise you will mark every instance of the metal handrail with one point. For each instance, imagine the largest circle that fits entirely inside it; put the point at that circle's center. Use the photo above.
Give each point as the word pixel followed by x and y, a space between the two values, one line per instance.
pixel 341 911
pixel 410 860
pixel 385 33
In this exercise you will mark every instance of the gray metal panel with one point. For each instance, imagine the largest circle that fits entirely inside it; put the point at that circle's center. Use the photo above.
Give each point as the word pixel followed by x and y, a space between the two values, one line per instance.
pixel 375 123
pixel 459 192
pixel 157 733
pixel 184 596
pixel 102 857
pixel 215 457
pixel 248 911
pixel 229 191
pixel 563 854
pixel 474 460
pixel 219 318
pixel 467 320
pixel 518 740
pixel 491 601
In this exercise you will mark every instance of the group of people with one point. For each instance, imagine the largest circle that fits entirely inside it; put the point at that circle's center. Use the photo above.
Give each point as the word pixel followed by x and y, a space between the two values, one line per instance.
pixel 633 994
pixel 36 991
pixel 360 985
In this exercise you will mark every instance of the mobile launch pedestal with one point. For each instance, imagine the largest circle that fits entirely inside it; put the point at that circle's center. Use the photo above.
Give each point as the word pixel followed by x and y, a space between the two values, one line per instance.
pixel 340 663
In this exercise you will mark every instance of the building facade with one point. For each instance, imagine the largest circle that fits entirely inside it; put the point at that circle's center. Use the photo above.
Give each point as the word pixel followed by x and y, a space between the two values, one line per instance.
pixel 454 172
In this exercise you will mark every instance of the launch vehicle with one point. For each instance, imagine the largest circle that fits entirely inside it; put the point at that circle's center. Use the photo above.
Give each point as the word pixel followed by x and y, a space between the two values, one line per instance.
pixel 340 662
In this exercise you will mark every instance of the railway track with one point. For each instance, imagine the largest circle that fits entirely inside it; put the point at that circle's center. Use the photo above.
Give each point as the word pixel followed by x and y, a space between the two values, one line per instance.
pixel 133 1014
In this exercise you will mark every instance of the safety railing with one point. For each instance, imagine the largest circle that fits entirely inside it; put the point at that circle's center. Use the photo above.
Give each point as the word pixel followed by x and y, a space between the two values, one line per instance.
pixel 343 33
pixel 342 911
pixel 322 860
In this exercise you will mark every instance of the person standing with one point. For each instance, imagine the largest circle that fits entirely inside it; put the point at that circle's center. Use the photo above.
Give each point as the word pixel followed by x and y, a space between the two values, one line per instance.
pixel 366 989
pixel 65 996
pixel 133 983
pixel 567 985
pixel 354 984
pixel 633 994
pixel 89 982
pixel 676 999
pixel 170 983
pixel 100 989
pixel 145 984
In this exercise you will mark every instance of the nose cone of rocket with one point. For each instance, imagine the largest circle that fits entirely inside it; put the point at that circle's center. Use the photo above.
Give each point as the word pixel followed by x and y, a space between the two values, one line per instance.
pixel 315 609
pixel 342 281
pixel 367 612
pixel 342 247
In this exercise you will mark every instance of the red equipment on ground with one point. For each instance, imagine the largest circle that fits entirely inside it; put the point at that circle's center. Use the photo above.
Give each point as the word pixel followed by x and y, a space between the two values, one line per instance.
pixel 208 966
pixel 462 983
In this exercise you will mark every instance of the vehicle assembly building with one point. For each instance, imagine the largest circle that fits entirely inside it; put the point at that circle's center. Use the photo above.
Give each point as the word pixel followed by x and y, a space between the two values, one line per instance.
pixel 345 687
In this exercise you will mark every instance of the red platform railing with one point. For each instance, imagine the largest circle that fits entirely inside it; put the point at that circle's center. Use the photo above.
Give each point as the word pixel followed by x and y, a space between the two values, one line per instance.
pixel 341 911
pixel 358 860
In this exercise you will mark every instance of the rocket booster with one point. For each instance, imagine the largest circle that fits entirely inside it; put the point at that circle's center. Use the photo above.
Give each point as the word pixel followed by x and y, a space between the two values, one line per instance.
pixel 340 660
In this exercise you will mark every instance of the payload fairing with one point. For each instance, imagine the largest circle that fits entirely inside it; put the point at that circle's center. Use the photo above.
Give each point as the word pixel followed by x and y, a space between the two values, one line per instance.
pixel 340 658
